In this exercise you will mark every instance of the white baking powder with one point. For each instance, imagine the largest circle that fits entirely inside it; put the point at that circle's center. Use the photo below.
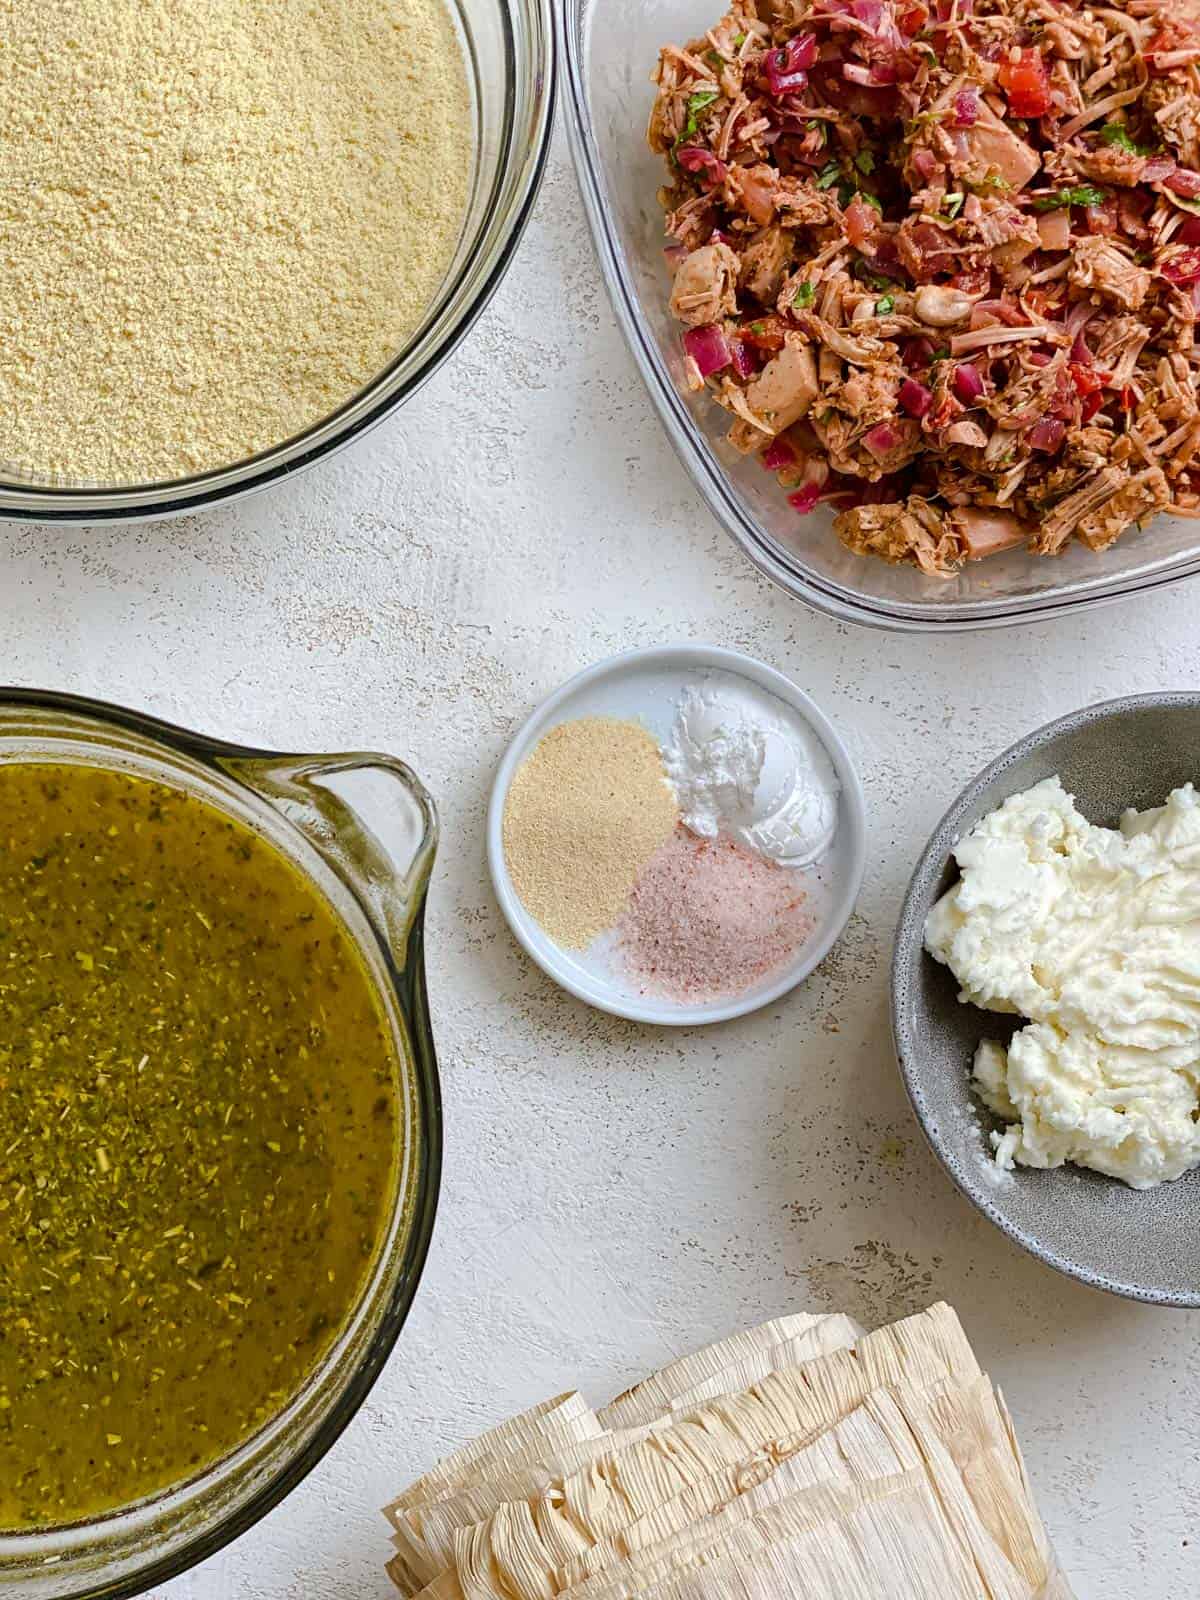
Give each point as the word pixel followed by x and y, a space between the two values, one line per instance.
pixel 745 765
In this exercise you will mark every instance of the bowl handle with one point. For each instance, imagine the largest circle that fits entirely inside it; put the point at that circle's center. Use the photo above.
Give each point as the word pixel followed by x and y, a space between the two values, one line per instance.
pixel 372 820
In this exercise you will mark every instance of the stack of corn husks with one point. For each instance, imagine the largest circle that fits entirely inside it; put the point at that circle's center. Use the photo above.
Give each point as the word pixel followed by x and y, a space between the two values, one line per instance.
pixel 801 1460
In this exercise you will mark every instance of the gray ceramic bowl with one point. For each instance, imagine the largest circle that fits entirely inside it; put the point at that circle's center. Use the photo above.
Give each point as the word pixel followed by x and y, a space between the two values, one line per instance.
pixel 1145 1245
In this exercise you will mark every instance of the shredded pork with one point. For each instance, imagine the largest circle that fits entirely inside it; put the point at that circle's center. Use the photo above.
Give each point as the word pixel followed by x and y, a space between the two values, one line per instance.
pixel 941 260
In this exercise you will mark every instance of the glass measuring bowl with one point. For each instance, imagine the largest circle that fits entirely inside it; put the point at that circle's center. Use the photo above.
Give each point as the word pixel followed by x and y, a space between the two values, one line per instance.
pixel 362 832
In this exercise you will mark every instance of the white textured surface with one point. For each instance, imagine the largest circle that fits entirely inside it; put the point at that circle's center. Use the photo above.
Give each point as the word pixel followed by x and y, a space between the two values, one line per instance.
pixel 614 1196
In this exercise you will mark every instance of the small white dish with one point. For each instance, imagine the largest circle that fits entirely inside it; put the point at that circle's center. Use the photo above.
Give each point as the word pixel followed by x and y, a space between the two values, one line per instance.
pixel 644 686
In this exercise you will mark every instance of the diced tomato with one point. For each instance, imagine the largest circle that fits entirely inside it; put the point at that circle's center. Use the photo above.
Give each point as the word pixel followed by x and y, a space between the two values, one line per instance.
pixel 1158 46
pixel 976 280
pixel 1086 379
pixel 1129 398
pixel 1091 404
pixel 765 334
pixel 912 20
pixel 860 220
pixel 1045 302
pixel 1026 84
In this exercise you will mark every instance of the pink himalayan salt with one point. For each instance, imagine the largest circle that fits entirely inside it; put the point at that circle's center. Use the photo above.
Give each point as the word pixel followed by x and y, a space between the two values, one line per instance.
pixel 708 919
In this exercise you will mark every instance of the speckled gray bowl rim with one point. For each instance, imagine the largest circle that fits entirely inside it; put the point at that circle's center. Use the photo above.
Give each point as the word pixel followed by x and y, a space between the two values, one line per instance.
pixel 909 949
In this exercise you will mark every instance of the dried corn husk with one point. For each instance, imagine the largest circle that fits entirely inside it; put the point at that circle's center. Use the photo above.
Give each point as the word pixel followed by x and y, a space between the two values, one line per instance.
pixel 840 1548
pixel 883 1469
pixel 657 1393
pixel 567 1416
pixel 425 1533
pixel 752 1429
pixel 909 1429
pixel 531 1437
pixel 836 1332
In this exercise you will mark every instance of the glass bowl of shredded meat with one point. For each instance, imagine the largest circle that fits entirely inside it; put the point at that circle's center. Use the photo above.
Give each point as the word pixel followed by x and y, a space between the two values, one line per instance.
pixel 914 284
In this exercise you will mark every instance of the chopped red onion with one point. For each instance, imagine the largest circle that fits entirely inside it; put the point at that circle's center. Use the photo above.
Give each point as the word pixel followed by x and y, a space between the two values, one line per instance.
pixel 879 76
pixel 1189 232
pixel 1101 219
pixel 1183 268
pixel 693 158
pixel 966 107
pixel 968 385
pixel 868 12
pixel 805 498
pixel 914 397
pixel 778 454
pixel 880 439
pixel 924 162
pixel 1184 182
pixel 785 69
pixel 1157 168
pixel 742 359
pixel 708 348
pixel 1080 354
pixel 1047 435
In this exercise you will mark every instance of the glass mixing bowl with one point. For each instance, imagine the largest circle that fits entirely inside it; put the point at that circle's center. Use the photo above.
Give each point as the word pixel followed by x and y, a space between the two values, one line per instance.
pixel 363 831
pixel 509 53
pixel 610 49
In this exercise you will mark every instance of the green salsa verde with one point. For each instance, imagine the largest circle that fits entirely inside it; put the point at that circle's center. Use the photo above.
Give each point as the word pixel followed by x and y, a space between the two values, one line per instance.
pixel 198 1128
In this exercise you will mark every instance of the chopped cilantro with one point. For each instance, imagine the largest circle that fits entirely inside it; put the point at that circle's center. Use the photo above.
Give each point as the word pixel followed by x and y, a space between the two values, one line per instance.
pixel 828 175
pixel 885 304
pixel 805 295
pixel 870 200
pixel 696 104
pixel 865 162
pixel 739 40
pixel 874 280
pixel 953 204
pixel 940 355
pixel 1116 133
pixel 819 127
pixel 758 328
pixel 1084 194
pixel 993 181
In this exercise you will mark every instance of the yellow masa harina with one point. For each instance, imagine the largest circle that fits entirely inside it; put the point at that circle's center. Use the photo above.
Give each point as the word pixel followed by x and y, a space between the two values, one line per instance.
pixel 219 219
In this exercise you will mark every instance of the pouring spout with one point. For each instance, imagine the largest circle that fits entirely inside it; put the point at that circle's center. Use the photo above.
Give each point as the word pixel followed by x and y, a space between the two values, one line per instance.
pixel 373 821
